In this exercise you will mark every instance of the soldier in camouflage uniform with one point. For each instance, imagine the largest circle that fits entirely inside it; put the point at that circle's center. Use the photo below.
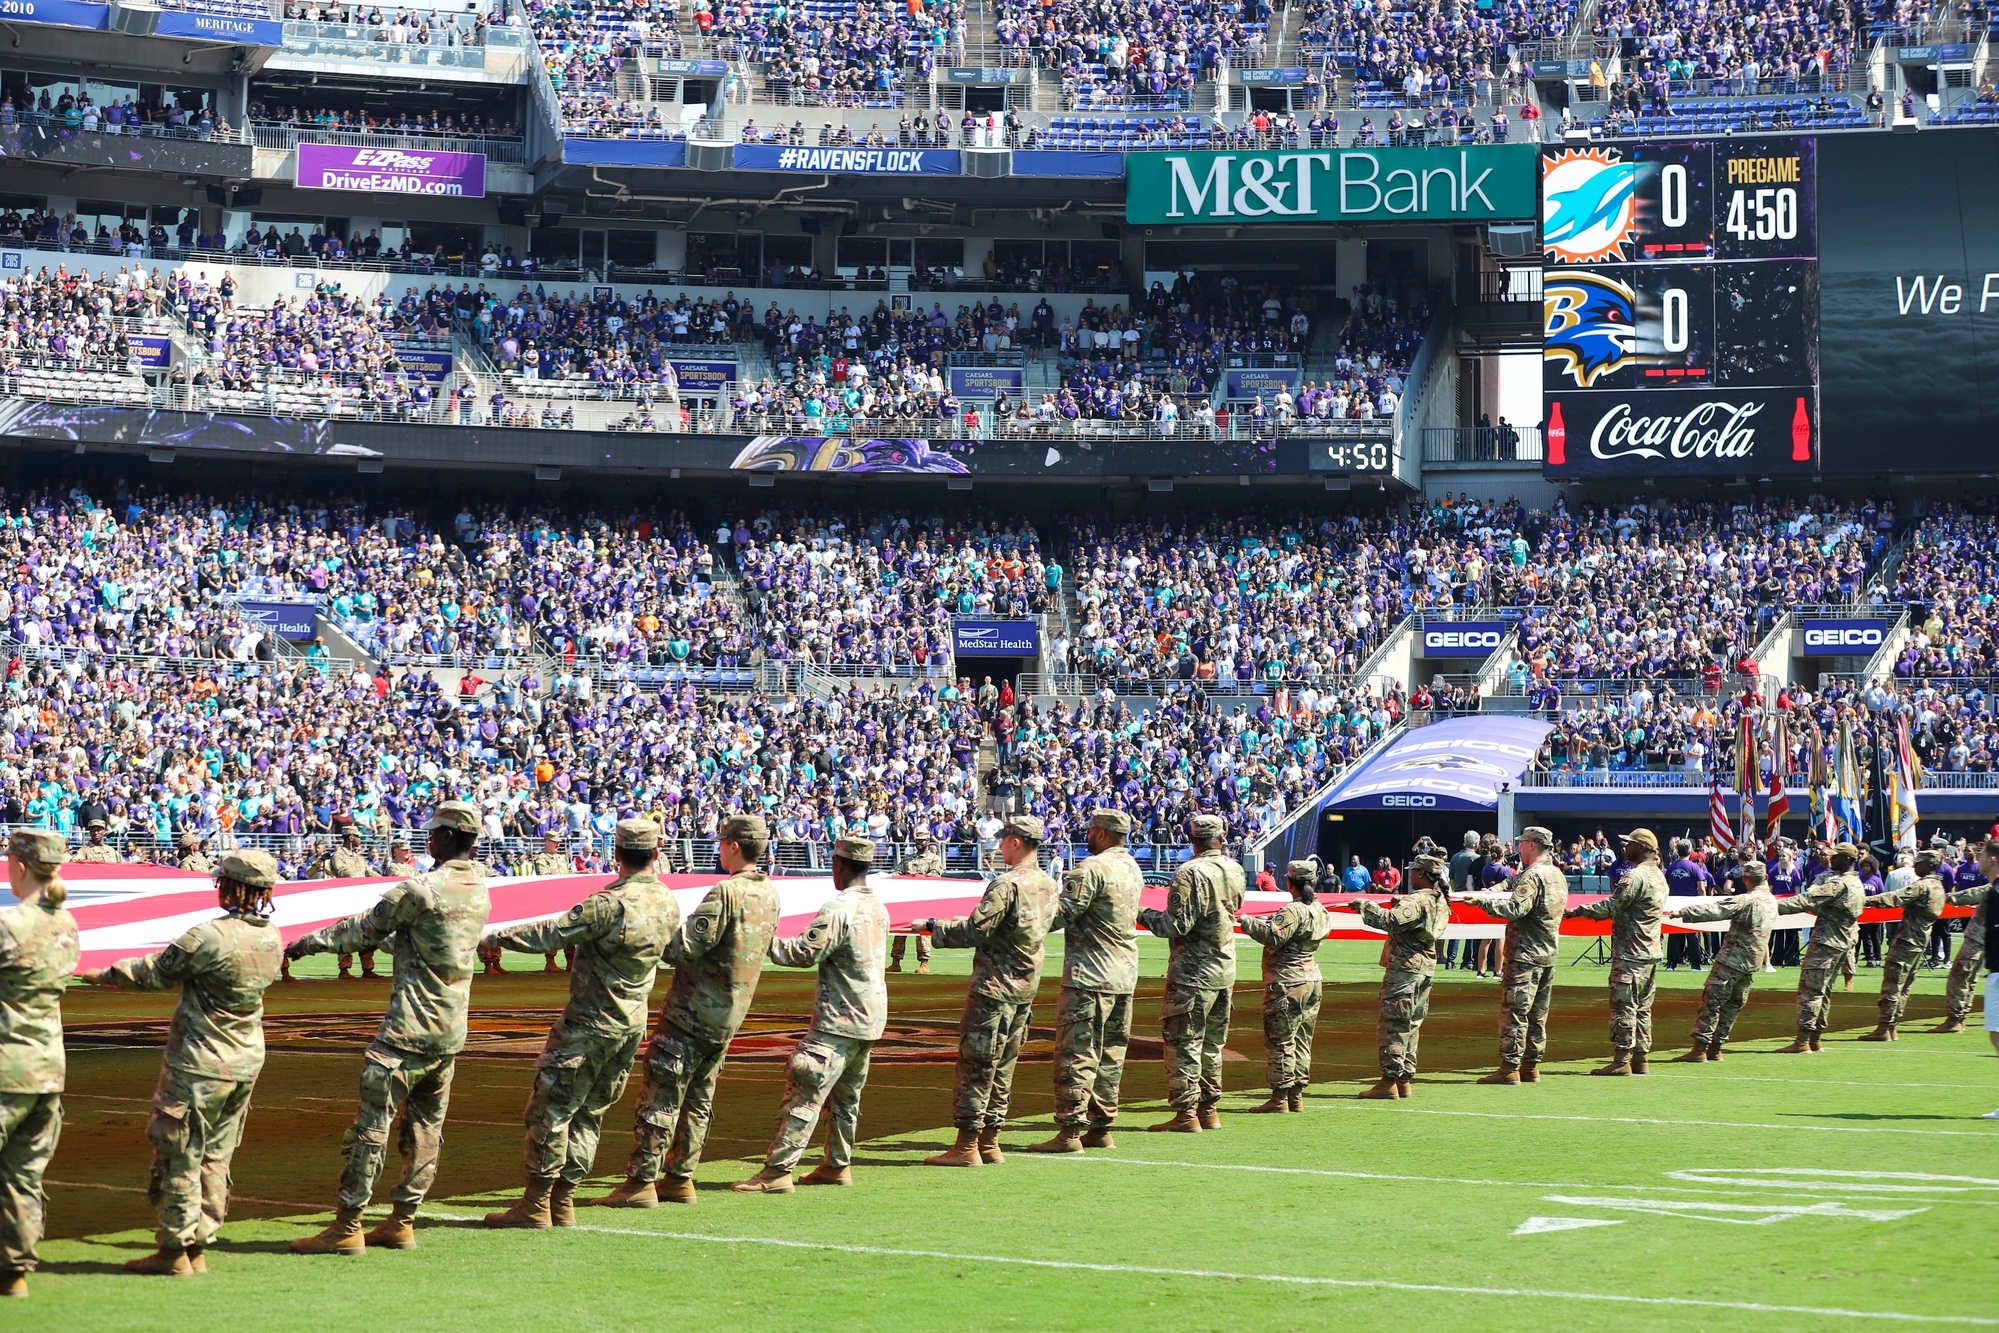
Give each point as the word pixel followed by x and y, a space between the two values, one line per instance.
pixel 1413 926
pixel 97 851
pixel 1292 986
pixel 38 951
pixel 431 922
pixel 848 942
pixel 1098 915
pixel 1835 899
pixel 215 1050
pixel 1007 931
pixel 1199 924
pixel 1921 901
pixel 1532 910
pixel 345 861
pixel 927 861
pixel 1634 909
pixel 717 955
pixel 1970 960
pixel 550 860
pixel 618 935
pixel 1743 952
pixel 192 859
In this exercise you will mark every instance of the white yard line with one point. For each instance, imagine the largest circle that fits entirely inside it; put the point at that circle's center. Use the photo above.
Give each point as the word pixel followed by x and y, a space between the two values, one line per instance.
pixel 1649 1120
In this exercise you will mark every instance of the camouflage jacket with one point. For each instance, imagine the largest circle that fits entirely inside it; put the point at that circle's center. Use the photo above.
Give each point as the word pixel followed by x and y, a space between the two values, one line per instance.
pixel 1098 916
pixel 195 864
pixel 1921 902
pixel 1836 900
pixel 1199 920
pixel 431 922
pixel 1290 937
pixel 105 855
pixel 1973 897
pixel 1746 946
pixel 341 864
pixel 1007 931
pixel 1633 909
pixel 222 968
pixel 923 863
pixel 619 933
pixel 848 943
pixel 1533 914
pixel 551 863
pixel 1413 926
pixel 38 950
pixel 717 955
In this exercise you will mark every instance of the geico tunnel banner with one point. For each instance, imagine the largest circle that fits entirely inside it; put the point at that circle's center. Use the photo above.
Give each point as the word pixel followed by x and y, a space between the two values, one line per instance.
pixel 1841 638
pixel 1464 638
pixel 128 911
pixel 1492 183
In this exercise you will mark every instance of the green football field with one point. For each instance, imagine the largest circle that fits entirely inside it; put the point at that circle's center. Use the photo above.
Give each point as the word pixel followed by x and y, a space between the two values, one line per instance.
pixel 1853 1188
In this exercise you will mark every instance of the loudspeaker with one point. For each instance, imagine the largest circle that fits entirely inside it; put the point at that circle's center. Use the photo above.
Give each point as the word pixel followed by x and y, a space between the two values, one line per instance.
pixel 1112 232
pixel 851 227
pixel 809 225
pixel 990 163
pixel 135 20
pixel 704 155
pixel 1510 242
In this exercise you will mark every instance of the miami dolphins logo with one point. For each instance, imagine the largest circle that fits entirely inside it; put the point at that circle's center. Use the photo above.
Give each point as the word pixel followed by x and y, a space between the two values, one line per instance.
pixel 1589 205
pixel 1591 324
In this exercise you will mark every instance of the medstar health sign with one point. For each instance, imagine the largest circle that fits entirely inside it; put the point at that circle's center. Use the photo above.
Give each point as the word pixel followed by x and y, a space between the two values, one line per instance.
pixel 1491 183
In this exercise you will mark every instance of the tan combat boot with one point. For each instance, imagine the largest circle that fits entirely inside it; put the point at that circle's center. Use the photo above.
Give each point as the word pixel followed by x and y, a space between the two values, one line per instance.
pixel 1280 1102
pixel 634 1193
pixel 1799 1047
pixel 531 1213
pixel 342 1237
pixel 770 1180
pixel 1714 1051
pixel 1507 1073
pixel 1619 1066
pixel 562 1204
pixel 1697 1056
pixel 1382 1091
pixel 894 965
pixel 163 1262
pixel 1098 1136
pixel 827 1174
pixel 676 1189
pixel 989 1146
pixel 197 1262
pixel 1818 1042
pixel 1065 1140
pixel 1883 1031
pixel 397 1231
pixel 1530 1071
pixel 1641 1062
pixel 1405 1087
pixel 1949 1025
pixel 1295 1098
pixel 13 1284
pixel 1185 1121
pixel 922 967
pixel 965 1152
pixel 1211 1115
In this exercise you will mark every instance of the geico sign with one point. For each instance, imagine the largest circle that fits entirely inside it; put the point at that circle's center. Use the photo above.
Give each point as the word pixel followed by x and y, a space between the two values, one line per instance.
pixel 1843 638
pixel 1400 800
pixel 1451 638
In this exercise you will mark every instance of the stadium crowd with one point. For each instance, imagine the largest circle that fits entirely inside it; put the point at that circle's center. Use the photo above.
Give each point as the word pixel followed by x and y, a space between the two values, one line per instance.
pixel 1949 578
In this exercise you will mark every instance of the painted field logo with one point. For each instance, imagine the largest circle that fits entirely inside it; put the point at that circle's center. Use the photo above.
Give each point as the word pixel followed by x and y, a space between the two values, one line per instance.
pixel 1589 205
pixel 1487 183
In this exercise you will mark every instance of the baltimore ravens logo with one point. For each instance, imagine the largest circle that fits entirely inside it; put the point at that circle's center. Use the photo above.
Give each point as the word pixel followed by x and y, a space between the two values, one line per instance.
pixel 1589 205
pixel 1448 763
pixel 1591 323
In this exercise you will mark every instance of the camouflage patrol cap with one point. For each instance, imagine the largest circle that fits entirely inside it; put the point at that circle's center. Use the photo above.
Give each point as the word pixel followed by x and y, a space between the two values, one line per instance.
pixel 1207 827
pixel 924 835
pixel 257 870
pixel 1643 837
pixel 1111 821
pixel 1536 834
pixel 38 845
pixel 858 850
pixel 1025 827
pixel 458 816
pixel 551 836
pixel 1929 856
pixel 1433 866
pixel 190 840
pixel 1304 870
pixel 1847 850
pixel 637 835
pixel 98 823
pixel 1755 870
pixel 744 826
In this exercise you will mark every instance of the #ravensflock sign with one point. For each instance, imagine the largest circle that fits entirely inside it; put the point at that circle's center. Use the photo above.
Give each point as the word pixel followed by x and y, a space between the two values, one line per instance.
pixel 1491 183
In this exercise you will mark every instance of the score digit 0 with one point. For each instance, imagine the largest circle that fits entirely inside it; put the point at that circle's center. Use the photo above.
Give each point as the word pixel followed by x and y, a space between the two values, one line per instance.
pixel 1673 196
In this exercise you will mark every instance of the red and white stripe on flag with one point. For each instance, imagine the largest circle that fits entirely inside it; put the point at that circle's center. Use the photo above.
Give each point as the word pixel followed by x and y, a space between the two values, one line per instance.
pixel 1717 816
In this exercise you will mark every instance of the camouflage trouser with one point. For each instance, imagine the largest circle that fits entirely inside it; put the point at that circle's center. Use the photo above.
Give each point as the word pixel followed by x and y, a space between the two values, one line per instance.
pixel 1092 1030
pixel 581 1075
pixel 1524 993
pixel 1727 990
pixel 1194 1027
pixel 901 946
pixel 989 1040
pixel 1816 975
pixel 1632 987
pixel 676 1104
pixel 1898 975
pixel 195 1127
pixel 1964 973
pixel 397 1084
pixel 30 1124
pixel 1405 1002
pixel 825 1071
pixel 1290 1015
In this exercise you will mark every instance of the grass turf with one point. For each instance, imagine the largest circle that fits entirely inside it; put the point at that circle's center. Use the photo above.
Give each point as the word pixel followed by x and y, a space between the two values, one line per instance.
pixel 1765 1192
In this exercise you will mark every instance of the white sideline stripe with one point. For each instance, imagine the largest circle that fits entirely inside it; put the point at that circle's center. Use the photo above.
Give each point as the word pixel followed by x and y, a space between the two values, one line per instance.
pixel 136 1189
pixel 1827 1082
pixel 1289 1279
pixel 1715 1124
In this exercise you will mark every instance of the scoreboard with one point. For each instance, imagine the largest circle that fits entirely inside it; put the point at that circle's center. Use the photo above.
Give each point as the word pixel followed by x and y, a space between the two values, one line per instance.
pixel 1681 300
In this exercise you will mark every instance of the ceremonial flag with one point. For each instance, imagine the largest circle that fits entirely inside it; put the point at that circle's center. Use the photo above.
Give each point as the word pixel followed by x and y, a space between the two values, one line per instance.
pixel 1818 779
pixel 1717 815
pixel 1903 779
pixel 1748 775
pixel 1849 794
pixel 1780 773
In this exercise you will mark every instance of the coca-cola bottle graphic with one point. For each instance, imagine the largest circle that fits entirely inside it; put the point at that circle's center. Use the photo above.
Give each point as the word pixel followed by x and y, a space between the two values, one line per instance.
pixel 1801 434
pixel 1558 435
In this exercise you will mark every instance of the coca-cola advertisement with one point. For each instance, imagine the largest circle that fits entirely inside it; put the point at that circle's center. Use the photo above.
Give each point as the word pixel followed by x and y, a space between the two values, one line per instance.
pixel 1683 432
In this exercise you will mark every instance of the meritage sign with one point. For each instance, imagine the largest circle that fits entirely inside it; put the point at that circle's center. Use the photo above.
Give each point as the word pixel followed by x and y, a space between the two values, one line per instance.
pixel 1491 183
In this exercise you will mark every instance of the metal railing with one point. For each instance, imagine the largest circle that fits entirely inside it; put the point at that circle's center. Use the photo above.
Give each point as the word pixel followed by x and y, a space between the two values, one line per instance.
pixel 153 663
pixel 502 52
pixel 1506 445
pixel 1698 779
pixel 286 137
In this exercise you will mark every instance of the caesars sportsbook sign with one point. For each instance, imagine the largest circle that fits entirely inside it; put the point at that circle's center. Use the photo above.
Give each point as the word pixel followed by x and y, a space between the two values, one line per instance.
pixel 1492 183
